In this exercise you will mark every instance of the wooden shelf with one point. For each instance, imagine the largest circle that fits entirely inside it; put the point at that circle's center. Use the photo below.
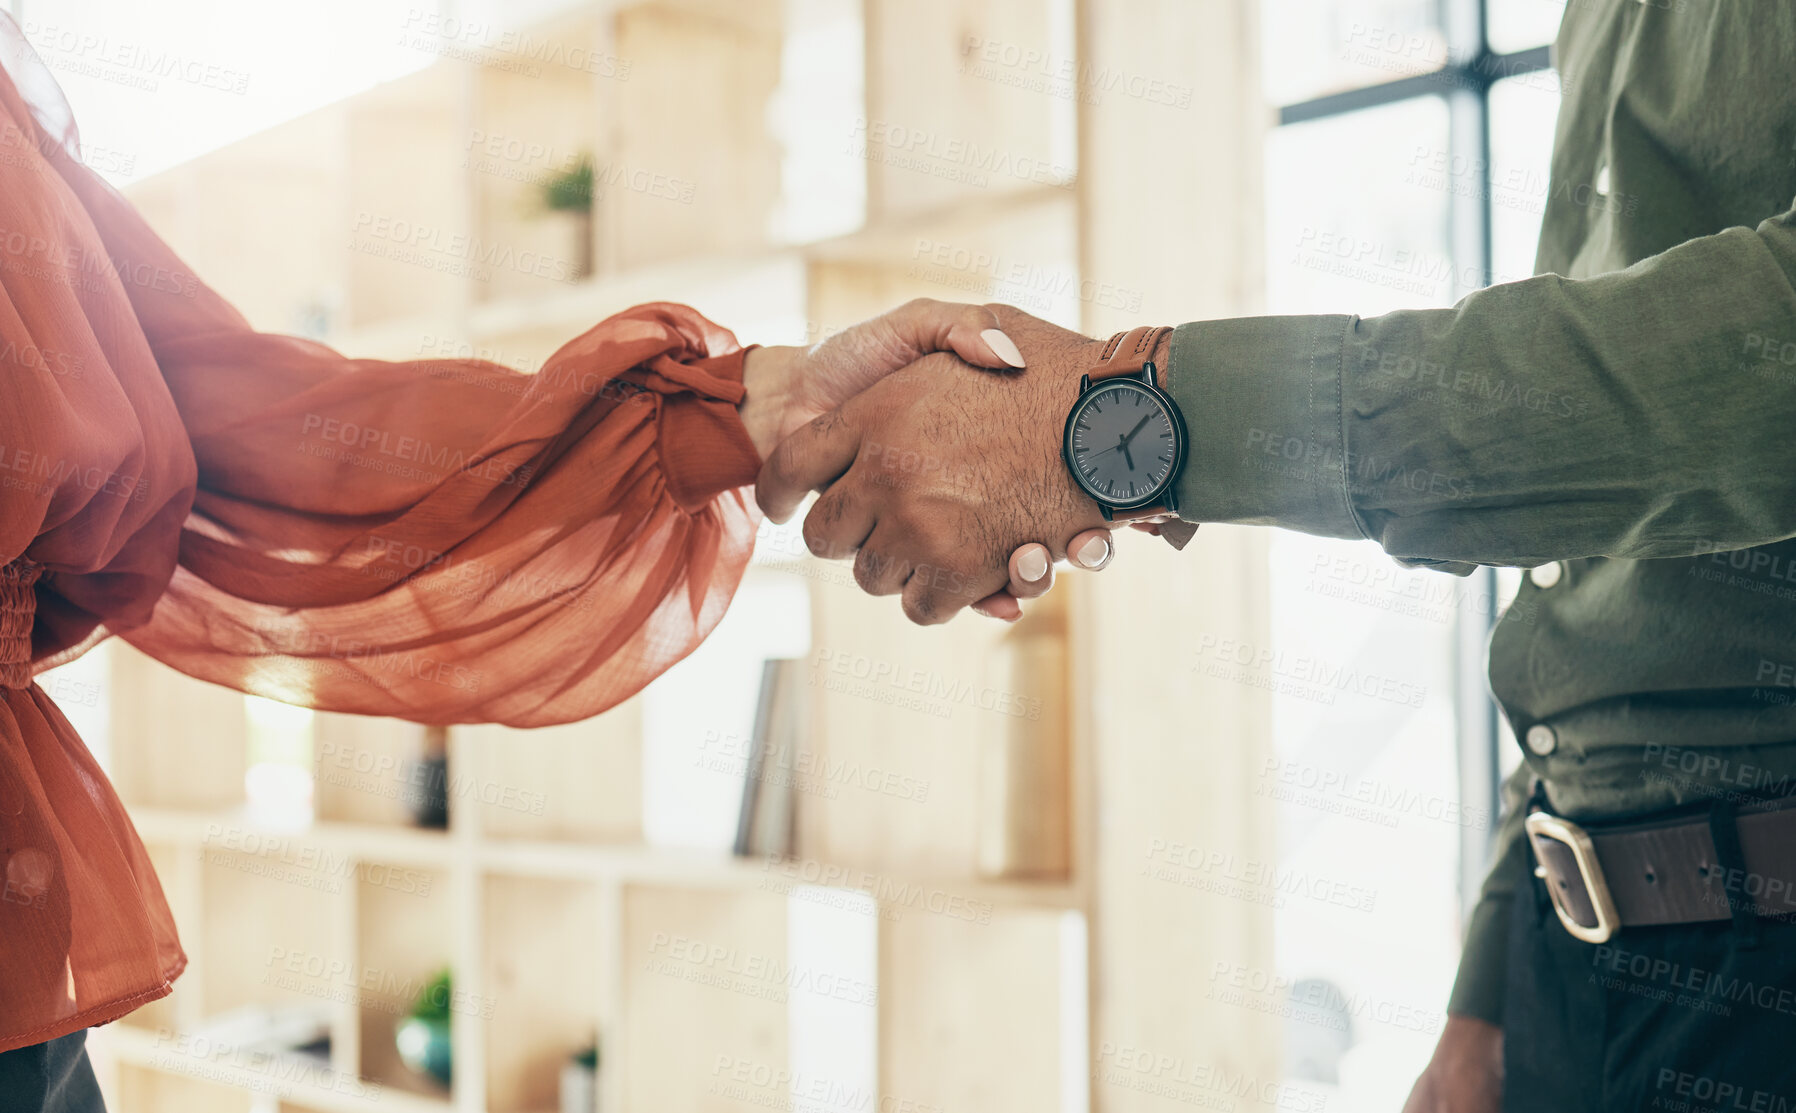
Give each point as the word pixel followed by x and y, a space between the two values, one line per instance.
pixel 745 287
pixel 623 863
pixel 153 1052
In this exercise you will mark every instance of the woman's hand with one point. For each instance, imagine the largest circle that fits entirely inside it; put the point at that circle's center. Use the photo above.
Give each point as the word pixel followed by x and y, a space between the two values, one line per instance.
pixel 1032 572
pixel 1466 1073
pixel 789 386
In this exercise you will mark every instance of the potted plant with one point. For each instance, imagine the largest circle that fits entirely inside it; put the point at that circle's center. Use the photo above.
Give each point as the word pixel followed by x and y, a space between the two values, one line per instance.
pixel 580 1081
pixel 571 191
pixel 422 1038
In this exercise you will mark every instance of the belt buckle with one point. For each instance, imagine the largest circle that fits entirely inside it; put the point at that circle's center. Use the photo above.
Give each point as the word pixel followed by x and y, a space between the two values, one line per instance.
pixel 1590 872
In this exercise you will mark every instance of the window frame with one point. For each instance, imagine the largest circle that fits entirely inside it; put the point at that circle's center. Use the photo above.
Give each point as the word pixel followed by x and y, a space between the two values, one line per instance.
pixel 1464 81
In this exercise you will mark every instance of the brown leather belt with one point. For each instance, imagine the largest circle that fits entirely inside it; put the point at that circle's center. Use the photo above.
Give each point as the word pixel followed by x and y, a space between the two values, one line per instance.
pixel 1665 872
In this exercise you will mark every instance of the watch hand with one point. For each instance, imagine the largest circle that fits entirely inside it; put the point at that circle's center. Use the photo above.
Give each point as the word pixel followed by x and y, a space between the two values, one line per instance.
pixel 1121 442
pixel 1130 460
pixel 1137 429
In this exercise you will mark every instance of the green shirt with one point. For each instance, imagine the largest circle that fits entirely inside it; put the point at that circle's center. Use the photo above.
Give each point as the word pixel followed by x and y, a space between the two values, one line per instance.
pixel 1629 413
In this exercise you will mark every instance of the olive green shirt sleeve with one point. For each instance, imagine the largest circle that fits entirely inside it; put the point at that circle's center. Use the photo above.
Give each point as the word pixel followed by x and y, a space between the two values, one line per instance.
pixel 1642 413
pixel 1483 960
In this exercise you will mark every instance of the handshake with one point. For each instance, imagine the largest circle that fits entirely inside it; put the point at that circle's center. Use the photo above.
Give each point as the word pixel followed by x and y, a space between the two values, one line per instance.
pixel 934 434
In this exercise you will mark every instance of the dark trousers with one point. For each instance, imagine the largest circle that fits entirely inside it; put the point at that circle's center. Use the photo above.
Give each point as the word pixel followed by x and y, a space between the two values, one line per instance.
pixel 1686 1018
pixel 53 1077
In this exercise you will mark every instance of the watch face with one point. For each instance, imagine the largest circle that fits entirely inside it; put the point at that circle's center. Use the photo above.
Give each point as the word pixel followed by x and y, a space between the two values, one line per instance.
pixel 1122 444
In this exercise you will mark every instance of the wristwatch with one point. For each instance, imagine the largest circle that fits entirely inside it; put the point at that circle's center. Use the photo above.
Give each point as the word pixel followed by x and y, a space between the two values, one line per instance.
pixel 1125 437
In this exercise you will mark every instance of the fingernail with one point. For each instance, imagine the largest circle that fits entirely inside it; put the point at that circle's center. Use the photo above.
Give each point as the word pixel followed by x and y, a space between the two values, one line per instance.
pixel 1093 553
pixel 1032 565
pixel 1002 346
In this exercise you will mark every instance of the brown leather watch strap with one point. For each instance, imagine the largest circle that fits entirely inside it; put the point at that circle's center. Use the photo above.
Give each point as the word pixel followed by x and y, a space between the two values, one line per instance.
pixel 1128 352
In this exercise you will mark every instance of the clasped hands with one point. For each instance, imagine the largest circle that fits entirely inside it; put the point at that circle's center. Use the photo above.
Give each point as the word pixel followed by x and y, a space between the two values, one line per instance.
pixel 933 433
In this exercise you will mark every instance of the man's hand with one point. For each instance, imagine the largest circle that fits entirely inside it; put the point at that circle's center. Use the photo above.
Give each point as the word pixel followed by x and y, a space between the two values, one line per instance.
pixel 1466 1073
pixel 933 477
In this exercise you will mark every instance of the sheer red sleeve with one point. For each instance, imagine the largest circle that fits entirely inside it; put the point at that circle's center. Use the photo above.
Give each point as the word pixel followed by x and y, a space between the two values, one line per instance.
pixel 443 541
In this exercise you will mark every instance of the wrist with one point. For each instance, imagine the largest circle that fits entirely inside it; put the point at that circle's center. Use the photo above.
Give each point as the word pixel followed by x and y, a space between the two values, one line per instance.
pixel 1162 360
pixel 768 379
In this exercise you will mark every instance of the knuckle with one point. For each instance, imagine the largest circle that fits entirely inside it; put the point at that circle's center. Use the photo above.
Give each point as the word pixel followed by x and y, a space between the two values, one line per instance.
pixel 783 462
pixel 870 572
pixel 817 526
pixel 923 608
pixel 829 511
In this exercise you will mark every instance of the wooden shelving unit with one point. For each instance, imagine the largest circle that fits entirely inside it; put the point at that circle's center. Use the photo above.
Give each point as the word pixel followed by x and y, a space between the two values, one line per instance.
pixel 561 920
pixel 550 939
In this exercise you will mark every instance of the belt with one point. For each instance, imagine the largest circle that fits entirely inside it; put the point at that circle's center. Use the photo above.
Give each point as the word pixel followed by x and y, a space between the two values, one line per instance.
pixel 1666 872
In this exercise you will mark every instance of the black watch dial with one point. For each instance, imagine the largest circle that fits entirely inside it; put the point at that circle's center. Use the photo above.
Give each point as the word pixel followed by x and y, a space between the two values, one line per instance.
pixel 1122 444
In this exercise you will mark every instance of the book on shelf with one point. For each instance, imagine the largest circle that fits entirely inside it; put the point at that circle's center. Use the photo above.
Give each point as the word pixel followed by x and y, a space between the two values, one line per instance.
pixel 765 825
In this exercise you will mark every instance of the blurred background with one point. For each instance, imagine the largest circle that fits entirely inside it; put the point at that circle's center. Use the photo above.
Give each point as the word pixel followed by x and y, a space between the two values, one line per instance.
pixel 1200 832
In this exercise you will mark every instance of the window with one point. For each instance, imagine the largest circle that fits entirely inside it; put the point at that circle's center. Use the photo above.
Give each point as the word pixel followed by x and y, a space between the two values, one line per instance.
pixel 1408 169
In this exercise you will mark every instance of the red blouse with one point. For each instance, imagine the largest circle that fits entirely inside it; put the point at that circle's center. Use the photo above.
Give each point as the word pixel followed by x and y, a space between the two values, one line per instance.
pixel 444 541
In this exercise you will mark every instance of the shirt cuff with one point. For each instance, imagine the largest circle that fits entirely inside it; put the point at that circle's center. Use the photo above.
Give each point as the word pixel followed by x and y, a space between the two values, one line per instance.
pixel 1483 963
pixel 1261 398
pixel 705 450
pixel 1479 989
